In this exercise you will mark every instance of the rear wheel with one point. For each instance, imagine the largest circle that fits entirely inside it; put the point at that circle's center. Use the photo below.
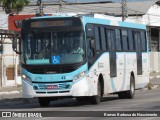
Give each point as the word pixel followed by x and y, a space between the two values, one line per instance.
pixel 130 94
pixel 44 102
pixel 97 99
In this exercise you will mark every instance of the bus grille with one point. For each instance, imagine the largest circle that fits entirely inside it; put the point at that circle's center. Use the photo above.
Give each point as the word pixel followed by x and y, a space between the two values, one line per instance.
pixel 61 85
pixel 51 92
pixel 53 70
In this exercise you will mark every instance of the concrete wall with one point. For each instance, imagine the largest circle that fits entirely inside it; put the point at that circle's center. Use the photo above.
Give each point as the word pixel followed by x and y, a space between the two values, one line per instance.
pixel 9 59
pixel 3 19
pixel 154 62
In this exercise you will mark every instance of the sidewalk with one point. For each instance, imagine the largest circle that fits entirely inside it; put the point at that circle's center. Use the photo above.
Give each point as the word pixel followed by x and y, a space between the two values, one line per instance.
pixel 155 78
pixel 10 88
pixel 154 81
pixel 10 92
pixel 16 92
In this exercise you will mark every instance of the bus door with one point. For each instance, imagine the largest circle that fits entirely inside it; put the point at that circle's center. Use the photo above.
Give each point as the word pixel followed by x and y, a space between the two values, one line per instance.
pixel 112 52
pixel 137 39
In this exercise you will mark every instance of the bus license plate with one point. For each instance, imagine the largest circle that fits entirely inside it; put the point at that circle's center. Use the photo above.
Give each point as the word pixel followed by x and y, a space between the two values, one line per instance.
pixel 51 87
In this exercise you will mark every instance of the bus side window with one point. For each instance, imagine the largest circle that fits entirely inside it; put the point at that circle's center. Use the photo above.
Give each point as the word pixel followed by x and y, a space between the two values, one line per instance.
pixel 92 53
pixel 97 38
pixel 137 39
pixel 131 41
pixel 106 40
pixel 103 41
pixel 143 38
pixel 125 40
pixel 91 40
pixel 118 39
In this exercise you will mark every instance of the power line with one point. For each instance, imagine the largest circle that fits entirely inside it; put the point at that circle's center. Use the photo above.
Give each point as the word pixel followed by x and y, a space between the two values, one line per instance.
pixel 89 10
pixel 92 7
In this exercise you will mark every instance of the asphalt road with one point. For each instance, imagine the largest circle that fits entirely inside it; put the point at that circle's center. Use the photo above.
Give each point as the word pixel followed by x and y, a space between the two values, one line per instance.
pixel 148 100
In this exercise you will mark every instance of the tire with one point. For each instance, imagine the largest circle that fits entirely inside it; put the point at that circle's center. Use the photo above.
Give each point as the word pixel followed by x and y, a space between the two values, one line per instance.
pixel 97 99
pixel 131 92
pixel 44 102
pixel 122 95
pixel 80 99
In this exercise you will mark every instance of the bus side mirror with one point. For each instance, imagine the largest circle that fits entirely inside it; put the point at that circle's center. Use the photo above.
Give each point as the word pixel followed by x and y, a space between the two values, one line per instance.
pixel 89 31
pixel 16 44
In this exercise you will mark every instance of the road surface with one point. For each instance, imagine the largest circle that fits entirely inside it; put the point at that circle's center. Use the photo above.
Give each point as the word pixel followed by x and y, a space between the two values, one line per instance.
pixel 147 100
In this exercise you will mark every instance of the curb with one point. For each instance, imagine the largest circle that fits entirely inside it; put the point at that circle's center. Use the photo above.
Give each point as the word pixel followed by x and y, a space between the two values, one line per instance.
pixel 151 86
pixel 152 77
pixel 10 95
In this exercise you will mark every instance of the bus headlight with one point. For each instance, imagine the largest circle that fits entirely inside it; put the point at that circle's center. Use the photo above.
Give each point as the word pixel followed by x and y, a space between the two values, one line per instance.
pixel 26 78
pixel 79 76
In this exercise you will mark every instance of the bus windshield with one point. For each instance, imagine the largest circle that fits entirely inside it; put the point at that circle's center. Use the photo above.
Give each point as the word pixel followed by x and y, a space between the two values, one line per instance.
pixel 51 47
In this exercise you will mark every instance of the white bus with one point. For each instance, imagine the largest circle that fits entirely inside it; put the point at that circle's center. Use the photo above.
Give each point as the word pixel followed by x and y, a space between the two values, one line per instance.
pixel 112 58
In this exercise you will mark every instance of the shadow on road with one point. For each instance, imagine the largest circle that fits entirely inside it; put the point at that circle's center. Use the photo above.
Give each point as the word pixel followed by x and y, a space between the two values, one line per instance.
pixel 20 103
pixel 75 103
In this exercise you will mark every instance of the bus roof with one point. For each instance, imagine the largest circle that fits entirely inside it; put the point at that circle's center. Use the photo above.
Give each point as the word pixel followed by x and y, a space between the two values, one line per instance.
pixel 104 21
pixel 113 22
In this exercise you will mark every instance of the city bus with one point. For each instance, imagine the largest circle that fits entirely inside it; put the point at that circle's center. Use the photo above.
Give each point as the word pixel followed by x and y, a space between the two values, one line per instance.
pixel 112 58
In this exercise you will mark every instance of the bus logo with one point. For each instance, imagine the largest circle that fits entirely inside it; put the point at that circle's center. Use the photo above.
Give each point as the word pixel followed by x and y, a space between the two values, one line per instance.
pixel 55 59
pixel 6 114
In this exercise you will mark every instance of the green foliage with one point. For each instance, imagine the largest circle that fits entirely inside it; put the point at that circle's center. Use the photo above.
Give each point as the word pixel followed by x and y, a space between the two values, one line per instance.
pixel 13 6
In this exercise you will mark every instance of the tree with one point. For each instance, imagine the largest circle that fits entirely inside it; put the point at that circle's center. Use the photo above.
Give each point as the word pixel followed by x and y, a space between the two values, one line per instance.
pixel 13 6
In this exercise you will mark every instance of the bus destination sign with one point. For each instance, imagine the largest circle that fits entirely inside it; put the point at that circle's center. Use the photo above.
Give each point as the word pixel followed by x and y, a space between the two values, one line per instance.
pixel 43 24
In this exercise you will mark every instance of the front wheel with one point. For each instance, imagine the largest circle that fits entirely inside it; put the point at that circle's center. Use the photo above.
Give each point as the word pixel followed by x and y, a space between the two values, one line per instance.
pixel 97 99
pixel 81 99
pixel 122 95
pixel 44 102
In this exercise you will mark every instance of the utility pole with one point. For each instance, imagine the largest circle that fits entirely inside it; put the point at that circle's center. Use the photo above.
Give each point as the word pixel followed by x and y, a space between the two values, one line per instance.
pixel 40 4
pixel 60 5
pixel 124 10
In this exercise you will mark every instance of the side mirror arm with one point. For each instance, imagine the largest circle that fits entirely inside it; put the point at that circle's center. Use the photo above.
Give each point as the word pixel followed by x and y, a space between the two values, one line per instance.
pixel 16 44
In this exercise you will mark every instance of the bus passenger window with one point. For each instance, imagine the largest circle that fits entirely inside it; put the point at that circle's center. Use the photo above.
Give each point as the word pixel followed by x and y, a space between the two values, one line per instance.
pixel 106 39
pixel 91 48
pixel 131 41
pixel 125 40
pixel 118 40
pixel 143 37
pixel 103 41
pixel 97 38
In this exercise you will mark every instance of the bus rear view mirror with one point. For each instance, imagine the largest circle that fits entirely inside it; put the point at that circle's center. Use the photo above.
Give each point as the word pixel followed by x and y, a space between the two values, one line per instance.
pixel 90 32
pixel 16 44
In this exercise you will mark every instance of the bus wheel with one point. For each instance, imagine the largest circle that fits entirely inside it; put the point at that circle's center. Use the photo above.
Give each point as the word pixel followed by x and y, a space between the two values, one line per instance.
pixel 131 92
pixel 97 99
pixel 122 95
pixel 80 99
pixel 44 102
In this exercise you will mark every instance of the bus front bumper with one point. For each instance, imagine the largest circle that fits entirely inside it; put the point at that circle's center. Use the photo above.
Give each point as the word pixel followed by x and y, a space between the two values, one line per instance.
pixel 78 88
